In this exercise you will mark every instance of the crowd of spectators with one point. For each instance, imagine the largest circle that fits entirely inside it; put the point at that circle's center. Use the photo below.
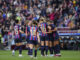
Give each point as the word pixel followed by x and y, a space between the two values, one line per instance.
pixel 64 13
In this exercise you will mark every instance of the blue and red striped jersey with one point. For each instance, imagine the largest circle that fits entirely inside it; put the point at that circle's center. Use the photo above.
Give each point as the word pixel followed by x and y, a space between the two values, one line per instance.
pixel 16 31
pixel 33 32
pixel 55 32
pixel 43 28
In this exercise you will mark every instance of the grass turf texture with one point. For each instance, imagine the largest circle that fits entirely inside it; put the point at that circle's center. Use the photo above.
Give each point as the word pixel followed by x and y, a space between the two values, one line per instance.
pixel 66 55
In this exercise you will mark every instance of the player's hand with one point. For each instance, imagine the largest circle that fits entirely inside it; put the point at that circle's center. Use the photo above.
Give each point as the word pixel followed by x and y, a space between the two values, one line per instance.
pixel 50 31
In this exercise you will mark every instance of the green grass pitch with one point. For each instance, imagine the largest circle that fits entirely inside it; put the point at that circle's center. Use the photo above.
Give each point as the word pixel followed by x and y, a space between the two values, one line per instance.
pixel 66 55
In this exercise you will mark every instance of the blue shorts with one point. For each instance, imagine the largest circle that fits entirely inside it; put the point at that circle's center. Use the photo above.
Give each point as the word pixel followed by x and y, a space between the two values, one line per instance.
pixel 50 38
pixel 34 42
pixel 44 38
pixel 18 40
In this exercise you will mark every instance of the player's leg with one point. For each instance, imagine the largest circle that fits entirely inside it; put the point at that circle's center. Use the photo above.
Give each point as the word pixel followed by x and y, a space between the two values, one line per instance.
pixel 42 48
pixel 42 45
pixel 20 49
pixel 27 45
pixel 51 45
pixel 35 51
pixel 16 47
pixel 20 46
pixel 51 48
pixel 46 45
pixel 31 49
pixel 56 48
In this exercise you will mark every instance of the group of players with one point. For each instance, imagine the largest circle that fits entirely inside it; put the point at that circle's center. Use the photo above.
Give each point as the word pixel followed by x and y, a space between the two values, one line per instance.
pixel 41 34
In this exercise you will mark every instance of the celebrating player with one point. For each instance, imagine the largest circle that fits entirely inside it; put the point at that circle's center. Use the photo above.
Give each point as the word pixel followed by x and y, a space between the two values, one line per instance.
pixel 50 37
pixel 55 39
pixel 43 37
pixel 18 40
pixel 33 38
pixel 28 23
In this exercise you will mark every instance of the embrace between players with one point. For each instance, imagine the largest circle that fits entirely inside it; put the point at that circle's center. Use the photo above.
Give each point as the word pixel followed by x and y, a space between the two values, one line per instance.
pixel 41 34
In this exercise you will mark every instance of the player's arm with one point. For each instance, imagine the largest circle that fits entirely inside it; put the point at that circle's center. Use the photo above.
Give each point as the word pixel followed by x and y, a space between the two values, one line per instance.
pixel 39 25
pixel 38 37
pixel 49 30
pixel 26 31
pixel 55 29
pixel 21 31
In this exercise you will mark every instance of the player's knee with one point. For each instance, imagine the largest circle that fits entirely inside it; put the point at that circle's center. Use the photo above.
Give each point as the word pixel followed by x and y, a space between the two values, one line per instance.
pixel 56 42
pixel 31 46
pixel 42 43
pixel 50 44
pixel 46 43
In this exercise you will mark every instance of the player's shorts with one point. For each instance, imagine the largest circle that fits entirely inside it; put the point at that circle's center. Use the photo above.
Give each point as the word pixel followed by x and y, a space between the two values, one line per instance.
pixel 55 36
pixel 34 42
pixel 44 38
pixel 18 40
pixel 50 38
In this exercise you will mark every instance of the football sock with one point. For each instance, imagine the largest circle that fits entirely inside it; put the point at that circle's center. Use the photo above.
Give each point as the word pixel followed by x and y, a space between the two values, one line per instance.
pixel 58 48
pixel 35 53
pixel 28 51
pixel 51 50
pixel 42 50
pixel 46 49
pixel 20 49
pixel 55 51
pixel 31 52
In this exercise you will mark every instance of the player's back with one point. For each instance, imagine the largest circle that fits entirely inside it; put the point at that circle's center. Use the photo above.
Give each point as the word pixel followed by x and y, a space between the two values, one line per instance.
pixel 16 30
pixel 33 32
pixel 43 28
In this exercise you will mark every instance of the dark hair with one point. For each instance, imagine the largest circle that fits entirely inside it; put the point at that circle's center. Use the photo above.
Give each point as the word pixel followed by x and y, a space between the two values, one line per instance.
pixel 34 22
